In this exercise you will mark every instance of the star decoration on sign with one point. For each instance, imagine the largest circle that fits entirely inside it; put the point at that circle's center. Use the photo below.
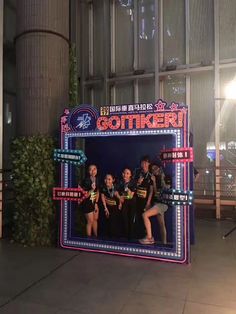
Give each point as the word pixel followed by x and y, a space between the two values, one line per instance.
pixel 184 110
pixel 63 119
pixel 65 128
pixel 160 105
pixel 174 106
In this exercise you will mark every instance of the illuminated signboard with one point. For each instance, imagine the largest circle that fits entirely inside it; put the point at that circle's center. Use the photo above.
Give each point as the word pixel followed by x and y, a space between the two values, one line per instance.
pixel 177 197
pixel 69 194
pixel 163 123
pixel 125 117
pixel 177 155
pixel 75 157
pixel 140 116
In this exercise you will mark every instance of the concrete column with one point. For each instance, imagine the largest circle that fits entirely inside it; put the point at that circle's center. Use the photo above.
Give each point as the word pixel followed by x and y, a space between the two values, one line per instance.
pixel 42 57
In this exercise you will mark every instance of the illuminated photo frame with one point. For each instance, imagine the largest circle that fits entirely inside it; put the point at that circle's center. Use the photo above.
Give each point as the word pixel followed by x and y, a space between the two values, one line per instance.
pixel 129 120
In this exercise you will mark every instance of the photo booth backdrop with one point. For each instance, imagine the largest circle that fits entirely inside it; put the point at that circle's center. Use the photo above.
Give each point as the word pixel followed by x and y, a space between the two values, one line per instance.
pixel 112 155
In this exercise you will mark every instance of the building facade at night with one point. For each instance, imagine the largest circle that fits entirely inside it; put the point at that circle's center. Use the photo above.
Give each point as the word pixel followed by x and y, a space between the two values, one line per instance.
pixel 128 51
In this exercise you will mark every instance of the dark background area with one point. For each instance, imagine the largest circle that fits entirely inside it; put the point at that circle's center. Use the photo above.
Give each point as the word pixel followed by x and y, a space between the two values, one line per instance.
pixel 113 154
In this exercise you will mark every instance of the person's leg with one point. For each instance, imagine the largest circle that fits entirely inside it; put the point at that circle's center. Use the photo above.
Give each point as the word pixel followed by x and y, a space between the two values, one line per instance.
pixel 132 214
pixel 114 221
pixel 161 220
pixel 89 219
pixel 125 218
pixel 139 223
pixel 95 222
pixel 146 215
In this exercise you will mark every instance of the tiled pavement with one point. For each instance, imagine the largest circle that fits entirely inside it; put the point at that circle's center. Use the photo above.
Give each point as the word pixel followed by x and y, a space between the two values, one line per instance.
pixel 35 280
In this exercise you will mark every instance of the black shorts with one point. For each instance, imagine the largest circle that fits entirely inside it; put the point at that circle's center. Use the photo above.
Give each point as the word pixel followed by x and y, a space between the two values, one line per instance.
pixel 87 206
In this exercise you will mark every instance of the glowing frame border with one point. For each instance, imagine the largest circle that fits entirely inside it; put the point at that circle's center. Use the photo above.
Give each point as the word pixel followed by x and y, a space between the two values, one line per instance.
pixel 180 253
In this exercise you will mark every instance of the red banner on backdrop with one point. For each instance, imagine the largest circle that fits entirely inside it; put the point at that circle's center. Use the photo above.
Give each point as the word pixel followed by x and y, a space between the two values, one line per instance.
pixel 69 194
pixel 182 154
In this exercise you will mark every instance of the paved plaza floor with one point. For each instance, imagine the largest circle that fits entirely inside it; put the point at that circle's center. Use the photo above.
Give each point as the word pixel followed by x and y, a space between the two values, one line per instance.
pixel 50 280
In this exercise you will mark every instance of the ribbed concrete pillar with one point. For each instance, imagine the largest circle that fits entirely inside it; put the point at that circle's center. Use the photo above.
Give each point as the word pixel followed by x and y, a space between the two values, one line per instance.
pixel 42 55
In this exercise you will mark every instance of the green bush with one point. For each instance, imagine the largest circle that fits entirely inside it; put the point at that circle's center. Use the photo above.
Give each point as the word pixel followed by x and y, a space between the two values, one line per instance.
pixel 33 178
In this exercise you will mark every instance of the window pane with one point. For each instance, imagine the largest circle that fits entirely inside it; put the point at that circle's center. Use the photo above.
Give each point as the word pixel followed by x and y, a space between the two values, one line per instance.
pixel 124 36
pixel 201 31
pixel 9 126
pixel 87 97
pixel 227 29
pixel 98 97
pixel 9 74
pixel 84 8
pixel 202 116
pixel 124 93
pixel 9 24
pixel 146 32
pixel 146 91
pixel 98 37
pixel 228 137
pixel 174 38
pixel 94 96
pixel 174 89
pixel 228 109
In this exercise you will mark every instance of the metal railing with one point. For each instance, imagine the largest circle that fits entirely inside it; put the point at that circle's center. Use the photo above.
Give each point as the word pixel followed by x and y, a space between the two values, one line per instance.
pixel 204 187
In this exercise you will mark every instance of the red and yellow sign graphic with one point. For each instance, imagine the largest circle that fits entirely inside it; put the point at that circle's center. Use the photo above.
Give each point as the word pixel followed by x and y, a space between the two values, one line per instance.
pixel 182 154
pixel 158 120
pixel 69 194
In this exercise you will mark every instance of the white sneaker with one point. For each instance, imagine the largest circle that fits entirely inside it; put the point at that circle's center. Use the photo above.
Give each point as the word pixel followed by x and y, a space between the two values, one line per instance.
pixel 147 240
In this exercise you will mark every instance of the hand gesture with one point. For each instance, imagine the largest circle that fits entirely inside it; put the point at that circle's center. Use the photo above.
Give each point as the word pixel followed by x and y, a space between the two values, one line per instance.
pixel 122 199
pixel 140 180
pixel 107 212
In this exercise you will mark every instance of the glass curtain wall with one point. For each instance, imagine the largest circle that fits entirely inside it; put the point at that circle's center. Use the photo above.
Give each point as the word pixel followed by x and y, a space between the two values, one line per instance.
pixel 116 42
pixel 142 50
pixel 227 115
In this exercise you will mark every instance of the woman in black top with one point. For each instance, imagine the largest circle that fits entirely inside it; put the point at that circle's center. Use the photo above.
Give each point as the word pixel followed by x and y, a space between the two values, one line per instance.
pixel 127 188
pixel 144 194
pixel 90 204
pixel 112 206
pixel 158 209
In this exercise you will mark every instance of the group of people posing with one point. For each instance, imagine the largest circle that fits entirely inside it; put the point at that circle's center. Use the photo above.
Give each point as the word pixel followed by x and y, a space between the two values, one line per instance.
pixel 128 204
